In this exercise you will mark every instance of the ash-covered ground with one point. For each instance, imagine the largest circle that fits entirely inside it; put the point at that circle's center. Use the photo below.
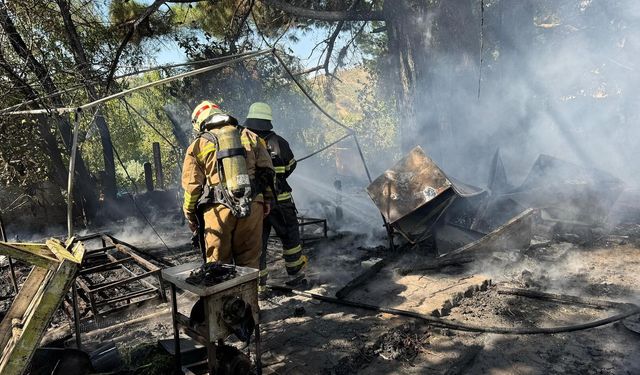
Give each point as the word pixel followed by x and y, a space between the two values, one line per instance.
pixel 306 336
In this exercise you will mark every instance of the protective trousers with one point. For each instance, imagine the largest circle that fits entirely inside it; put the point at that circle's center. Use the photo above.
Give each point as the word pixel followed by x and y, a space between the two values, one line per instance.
pixel 229 239
pixel 284 220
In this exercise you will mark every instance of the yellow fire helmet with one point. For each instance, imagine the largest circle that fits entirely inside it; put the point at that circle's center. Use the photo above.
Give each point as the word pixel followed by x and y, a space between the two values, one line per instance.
pixel 202 112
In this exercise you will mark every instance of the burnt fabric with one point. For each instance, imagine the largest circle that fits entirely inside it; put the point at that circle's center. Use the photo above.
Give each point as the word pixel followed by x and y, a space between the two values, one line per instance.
pixel 211 274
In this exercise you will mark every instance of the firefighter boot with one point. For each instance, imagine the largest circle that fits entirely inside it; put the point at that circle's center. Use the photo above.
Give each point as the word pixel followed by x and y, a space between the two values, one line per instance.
pixel 298 276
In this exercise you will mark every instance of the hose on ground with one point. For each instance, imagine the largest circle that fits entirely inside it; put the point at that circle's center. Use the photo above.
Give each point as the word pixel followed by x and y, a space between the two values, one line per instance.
pixel 630 309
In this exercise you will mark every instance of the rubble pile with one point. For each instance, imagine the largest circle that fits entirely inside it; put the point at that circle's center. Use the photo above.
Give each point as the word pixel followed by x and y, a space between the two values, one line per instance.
pixel 566 202
pixel 462 244
pixel 402 344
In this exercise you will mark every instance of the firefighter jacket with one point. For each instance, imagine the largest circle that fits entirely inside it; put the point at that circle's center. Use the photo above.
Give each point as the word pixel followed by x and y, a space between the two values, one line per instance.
pixel 199 168
pixel 283 162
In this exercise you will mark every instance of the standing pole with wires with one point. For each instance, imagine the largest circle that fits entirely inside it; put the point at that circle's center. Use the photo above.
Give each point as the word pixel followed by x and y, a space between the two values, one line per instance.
pixel 340 124
pixel 12 271
pixel 72 169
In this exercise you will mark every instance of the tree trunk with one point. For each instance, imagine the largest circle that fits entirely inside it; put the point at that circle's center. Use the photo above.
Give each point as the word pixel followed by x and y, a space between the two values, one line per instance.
pixel 86 188
pixel 82 63
pixel 433 50
pixel 405 20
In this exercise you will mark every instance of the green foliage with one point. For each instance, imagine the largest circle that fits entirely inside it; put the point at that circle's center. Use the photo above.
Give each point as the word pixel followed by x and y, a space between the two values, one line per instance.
pixel 131 177
pixel 356 100
pixel 136 123
pixel 123 13
pixel 21 162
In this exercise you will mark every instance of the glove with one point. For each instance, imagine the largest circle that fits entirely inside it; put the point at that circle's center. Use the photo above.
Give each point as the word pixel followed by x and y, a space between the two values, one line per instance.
pixel 195 240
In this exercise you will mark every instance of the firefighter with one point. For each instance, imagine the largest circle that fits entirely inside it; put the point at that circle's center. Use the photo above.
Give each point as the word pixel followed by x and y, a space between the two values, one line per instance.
pixel 227 178
pixel 283 217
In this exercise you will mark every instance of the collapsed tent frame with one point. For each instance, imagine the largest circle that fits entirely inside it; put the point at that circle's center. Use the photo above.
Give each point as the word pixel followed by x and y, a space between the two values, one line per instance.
pixel 77 112
pixel 115 255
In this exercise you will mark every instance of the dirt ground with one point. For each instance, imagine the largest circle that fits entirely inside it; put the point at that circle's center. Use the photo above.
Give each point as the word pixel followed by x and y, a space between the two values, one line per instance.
pixel 305 336
pixel 326 341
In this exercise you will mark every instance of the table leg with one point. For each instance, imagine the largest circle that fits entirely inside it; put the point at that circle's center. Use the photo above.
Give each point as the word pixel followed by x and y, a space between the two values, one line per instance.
pixel 176 329
pixel 258 351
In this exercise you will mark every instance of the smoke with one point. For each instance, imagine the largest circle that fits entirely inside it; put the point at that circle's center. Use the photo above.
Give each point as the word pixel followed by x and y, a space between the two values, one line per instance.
pixel 557 79
pixel 564 268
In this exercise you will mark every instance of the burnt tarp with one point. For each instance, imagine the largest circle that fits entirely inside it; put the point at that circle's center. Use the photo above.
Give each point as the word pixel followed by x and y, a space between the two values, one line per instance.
pixel 497 209
pixel 515 234
pixel 497 182
pixel 414 194
pixel 567 192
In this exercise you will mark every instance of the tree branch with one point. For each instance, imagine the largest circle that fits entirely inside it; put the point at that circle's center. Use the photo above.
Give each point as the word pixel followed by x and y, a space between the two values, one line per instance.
pixel 325 15
pixel 21 48
pixel 114 64
pixel 310 70
pixel 330 45
pixel 82 62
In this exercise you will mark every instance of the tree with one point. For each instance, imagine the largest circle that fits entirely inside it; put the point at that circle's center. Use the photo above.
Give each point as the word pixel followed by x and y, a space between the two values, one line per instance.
pixel 86 191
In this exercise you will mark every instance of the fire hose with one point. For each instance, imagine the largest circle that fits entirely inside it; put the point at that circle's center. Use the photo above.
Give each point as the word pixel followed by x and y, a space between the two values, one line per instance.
pixel 629 310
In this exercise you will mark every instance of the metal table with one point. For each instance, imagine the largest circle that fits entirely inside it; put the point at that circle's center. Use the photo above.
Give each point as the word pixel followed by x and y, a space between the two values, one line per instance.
pixel 245 285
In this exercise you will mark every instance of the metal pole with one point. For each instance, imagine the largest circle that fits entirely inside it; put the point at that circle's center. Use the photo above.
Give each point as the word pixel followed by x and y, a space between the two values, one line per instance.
pixel 76 314
pixel 72 168
pixel 258 350
pixel 388 227
pixel 3 237
pixel 364 162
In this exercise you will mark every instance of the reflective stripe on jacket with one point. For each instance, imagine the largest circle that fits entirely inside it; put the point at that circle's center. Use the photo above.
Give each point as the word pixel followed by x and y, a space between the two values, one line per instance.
pixel 283 160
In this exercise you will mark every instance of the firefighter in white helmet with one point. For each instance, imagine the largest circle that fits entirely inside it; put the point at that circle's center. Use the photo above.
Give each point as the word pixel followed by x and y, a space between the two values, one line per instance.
pixel 227 178
pixel 283 217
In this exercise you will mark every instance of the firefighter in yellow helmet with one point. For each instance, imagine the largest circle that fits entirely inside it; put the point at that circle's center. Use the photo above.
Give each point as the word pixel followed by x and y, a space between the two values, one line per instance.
pixel 227 178
pixel 283 217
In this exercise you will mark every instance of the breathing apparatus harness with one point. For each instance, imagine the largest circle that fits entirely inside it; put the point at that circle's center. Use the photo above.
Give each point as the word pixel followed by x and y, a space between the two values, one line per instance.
pixel 234 190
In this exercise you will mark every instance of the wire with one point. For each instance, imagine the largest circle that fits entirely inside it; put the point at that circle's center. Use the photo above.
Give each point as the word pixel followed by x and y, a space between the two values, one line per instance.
pixel 144 119
pixel 126 172
pixel 143 86
pixel 309 97
pixel 339 123
pixel 336 121
pixel 137 72
pixel 325 147
pixel 135 204
pixel 481 46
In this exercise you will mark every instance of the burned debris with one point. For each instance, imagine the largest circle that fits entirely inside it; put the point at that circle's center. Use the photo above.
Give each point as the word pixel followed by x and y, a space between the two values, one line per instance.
pixel 420 202
pixel 452 237
pixel 436 278
pixel 114 276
